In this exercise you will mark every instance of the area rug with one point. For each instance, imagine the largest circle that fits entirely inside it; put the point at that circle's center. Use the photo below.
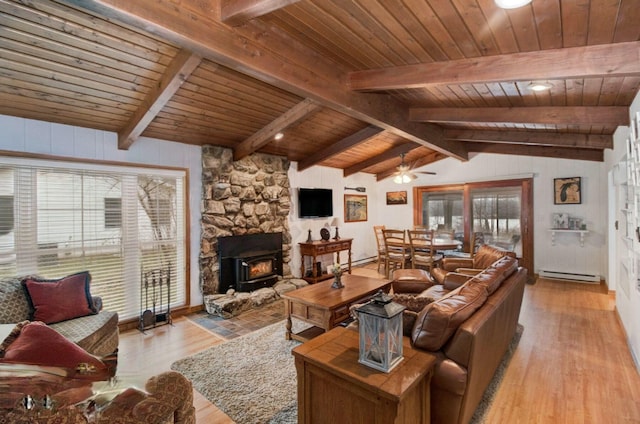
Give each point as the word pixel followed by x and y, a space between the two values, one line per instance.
pixel 252 378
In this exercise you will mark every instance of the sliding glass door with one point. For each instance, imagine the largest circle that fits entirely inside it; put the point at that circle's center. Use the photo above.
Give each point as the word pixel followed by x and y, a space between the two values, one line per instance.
pixel 496 214
pixel 500 210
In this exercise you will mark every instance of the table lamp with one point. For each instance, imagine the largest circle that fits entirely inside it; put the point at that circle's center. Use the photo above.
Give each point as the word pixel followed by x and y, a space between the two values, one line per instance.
pixel 334 223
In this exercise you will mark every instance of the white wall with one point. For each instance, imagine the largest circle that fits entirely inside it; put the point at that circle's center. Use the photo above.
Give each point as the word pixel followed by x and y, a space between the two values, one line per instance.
pixel 38 137
pixel 627 294
pixel 364 242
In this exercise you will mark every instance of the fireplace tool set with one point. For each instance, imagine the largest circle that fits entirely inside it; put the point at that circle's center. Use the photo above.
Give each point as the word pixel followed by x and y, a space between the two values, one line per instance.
pixel 155 298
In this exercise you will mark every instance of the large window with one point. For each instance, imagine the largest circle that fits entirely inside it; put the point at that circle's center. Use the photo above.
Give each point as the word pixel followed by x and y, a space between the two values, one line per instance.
pixel 115 222
pixel 443 211
pixel 496 214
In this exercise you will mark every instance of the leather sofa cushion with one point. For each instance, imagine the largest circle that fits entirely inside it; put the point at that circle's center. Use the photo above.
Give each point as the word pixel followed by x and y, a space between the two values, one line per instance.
pixel 440 319
pixel 493 276
pixel 487 255
pixel 453 280
pixel 411 281
pixel 436 292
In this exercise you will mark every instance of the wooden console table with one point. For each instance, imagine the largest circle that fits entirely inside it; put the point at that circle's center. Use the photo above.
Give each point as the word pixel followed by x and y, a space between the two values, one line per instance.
pixel 333 387
pixel 321 247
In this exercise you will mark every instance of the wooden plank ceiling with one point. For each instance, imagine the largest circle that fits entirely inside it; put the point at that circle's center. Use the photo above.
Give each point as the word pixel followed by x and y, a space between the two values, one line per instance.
pixel 350 84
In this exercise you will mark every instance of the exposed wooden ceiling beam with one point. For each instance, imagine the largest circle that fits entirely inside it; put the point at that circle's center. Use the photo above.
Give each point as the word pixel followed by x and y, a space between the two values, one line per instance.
pixel 618 59
pixel 176 73
pixel 265 135
pixel 339 147
pixel 394 152
pixel 425 160
pixel 271 57
pixel 236 12
pixel 548 152
pixel 586 141
pixel 558 115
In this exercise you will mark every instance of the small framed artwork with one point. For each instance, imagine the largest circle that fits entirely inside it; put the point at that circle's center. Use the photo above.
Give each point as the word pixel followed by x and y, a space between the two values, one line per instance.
pixel 355 207
pixel 396 198
pixel 567 191
pixel 560 221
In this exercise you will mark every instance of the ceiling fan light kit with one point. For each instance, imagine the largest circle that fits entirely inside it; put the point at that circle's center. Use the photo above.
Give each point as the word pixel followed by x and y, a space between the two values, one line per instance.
pixel 404 175
pixel 404 178
pixel 511 4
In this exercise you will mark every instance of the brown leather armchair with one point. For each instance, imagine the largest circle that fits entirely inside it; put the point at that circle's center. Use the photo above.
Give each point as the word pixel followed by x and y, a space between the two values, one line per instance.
pixel 483 258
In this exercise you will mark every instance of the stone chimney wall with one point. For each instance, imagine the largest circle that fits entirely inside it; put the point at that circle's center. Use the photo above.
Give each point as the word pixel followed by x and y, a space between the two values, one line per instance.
pixel 248 196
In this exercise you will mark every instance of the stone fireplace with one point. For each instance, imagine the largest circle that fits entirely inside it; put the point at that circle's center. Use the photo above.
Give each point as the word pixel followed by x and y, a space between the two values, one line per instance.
pixel 245 197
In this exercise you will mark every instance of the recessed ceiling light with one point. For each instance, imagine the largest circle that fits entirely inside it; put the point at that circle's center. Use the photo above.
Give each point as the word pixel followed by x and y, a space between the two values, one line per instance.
pixel 278 136
pixel 540 86
pixel 511 4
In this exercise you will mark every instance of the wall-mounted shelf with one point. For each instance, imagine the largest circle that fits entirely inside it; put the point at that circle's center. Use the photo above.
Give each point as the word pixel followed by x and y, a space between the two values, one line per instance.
pixel 581 233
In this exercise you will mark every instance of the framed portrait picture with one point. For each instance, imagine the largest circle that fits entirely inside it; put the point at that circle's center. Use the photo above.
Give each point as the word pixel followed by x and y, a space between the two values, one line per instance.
pixel 567 191
pixel 396 198
pixel 355 207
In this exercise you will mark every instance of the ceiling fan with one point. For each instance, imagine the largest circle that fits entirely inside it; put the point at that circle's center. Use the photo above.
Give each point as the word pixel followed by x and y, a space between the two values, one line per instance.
pixel 404 174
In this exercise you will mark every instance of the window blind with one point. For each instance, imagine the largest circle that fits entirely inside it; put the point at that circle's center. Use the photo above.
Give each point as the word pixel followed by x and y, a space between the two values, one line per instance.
pixel 116 222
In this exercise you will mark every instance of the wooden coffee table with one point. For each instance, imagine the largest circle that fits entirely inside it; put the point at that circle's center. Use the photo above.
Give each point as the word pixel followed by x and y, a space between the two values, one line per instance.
pixel 325 307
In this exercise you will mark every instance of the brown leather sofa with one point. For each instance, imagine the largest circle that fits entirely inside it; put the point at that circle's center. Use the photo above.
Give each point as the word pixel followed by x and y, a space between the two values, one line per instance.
pixel 468 329
pixel 483 258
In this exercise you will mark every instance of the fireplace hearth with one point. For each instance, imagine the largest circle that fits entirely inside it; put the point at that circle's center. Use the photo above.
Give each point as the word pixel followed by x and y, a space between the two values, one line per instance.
pixel 249 262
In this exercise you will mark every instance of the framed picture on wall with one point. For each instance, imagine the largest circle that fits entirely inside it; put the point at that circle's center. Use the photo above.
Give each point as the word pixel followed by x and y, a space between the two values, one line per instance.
pixel 396 198
pixel 567 191
pixel 355 207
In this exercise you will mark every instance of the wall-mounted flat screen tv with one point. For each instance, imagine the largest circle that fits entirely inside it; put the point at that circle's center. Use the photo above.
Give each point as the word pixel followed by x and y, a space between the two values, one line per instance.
pixel 315 202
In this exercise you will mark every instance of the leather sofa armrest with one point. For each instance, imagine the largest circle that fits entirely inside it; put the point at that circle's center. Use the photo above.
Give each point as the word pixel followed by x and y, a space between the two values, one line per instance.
pixel 451 264
pixel 453 280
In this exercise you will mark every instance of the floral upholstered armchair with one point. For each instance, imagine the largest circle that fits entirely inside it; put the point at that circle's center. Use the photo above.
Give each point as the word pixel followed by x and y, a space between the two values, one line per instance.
pixel 46 379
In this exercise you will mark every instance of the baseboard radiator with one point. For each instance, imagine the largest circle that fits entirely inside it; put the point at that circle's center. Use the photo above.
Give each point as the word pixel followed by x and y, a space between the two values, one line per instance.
pixel 557 275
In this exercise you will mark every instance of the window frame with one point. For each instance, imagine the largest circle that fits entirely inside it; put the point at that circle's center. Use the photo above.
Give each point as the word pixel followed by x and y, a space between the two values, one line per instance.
pixel 107 167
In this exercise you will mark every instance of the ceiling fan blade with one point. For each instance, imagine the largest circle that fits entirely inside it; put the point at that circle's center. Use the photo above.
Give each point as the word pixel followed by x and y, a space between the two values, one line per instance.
pixel 425 172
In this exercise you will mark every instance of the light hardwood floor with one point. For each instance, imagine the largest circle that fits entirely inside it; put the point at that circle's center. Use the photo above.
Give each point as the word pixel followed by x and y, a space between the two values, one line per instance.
pixel 572 364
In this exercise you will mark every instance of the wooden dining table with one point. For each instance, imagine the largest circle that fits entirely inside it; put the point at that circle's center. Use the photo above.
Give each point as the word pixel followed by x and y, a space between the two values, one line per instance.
pixel 439 244
pixel 446 244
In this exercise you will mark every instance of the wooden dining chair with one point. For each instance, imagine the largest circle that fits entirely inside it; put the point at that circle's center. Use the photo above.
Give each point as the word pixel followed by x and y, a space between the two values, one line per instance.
pixel 445 233
pixel 477 240
pixel 423 255
pixel 398 254
pixel 382 250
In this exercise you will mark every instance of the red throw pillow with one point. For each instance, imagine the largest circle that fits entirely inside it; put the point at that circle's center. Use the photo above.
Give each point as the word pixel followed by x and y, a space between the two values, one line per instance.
pixel 60 300
pixel 38 344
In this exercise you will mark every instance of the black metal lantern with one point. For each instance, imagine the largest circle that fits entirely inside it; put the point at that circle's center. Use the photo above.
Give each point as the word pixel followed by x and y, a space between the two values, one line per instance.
pixel 380 326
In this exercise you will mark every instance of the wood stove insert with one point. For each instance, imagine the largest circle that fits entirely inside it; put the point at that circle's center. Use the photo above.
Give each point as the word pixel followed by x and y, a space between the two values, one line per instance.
pixel 249 262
